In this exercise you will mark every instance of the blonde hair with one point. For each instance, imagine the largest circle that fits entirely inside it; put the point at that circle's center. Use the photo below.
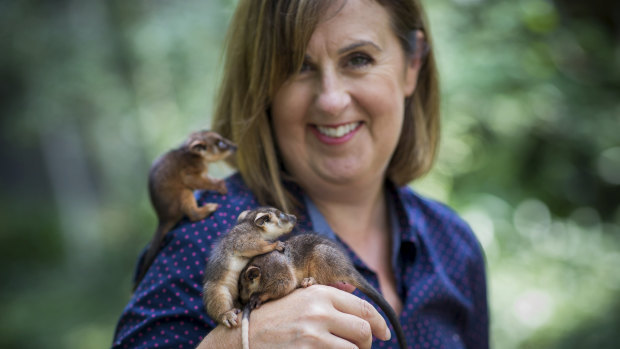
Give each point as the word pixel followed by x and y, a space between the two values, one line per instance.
pixel 266 43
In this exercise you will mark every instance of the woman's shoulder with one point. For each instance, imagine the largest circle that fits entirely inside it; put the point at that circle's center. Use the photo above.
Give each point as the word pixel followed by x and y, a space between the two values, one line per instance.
pixel 238 192
pixel 437 221
pixel 204 233
pixel 178 269
pixel 238 199
pixel 428 207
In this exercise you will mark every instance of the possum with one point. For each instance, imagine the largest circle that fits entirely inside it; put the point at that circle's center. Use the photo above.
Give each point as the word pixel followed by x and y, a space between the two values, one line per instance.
pixel 307 259
pixel 172 181
pixel 250 237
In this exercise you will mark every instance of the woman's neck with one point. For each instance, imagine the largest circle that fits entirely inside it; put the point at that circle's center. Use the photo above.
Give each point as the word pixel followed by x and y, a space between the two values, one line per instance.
pixel 354 214
pixel 360 218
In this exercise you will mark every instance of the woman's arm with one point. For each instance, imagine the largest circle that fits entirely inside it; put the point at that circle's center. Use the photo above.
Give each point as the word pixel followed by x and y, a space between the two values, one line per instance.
pixel 317 316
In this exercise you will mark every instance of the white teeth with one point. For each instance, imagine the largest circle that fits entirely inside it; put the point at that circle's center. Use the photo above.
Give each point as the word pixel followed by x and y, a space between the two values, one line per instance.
pixel 337 132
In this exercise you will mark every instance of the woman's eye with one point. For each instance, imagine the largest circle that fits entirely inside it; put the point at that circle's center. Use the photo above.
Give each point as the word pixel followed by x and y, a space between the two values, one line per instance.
pixel 359 60
pixel 305 67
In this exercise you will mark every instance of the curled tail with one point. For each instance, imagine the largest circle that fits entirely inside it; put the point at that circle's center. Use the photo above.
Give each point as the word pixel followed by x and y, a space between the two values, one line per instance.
pixel 151 253
pixel 376 297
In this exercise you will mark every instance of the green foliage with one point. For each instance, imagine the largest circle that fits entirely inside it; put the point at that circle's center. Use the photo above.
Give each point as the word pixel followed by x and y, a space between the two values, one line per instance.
pixel 92 92
pixel 530 158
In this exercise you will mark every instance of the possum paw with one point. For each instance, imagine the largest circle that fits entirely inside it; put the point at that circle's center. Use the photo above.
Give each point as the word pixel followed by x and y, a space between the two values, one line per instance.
pixel 308 282
pixel 221 188
pixel 280 246
pixel 229 318
pixel 211 207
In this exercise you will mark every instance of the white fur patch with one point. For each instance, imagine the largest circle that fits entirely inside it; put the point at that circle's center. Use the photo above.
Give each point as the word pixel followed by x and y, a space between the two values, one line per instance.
pixel 237 263
pixel 273 231
pixel 232 276
pixel 225 292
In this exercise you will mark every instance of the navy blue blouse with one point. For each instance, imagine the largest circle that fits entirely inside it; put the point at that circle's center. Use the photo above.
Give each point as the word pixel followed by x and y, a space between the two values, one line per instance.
pixel 438 262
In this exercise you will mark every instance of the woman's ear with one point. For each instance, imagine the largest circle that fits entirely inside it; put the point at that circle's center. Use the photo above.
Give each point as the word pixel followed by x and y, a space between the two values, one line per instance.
pixel 413 62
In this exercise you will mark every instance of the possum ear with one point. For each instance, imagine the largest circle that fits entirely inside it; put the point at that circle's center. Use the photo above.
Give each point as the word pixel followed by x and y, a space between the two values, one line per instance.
pixel 261 219
pixel 242 215
pixel 252 273
pixel 198 146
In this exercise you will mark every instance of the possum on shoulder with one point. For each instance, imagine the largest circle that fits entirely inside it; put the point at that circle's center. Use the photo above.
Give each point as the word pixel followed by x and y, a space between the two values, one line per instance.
pixel 172 181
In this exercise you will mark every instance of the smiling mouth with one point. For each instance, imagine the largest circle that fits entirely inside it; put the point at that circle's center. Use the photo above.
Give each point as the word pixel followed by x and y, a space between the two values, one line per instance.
pixel 339 131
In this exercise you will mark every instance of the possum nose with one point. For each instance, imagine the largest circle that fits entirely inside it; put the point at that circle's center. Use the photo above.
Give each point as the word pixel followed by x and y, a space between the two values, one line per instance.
pixel 288 217
pixel 226 146
pixel 292 218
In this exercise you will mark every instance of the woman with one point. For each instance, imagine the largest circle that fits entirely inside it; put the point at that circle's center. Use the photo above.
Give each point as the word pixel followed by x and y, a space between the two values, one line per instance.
pixel 334 107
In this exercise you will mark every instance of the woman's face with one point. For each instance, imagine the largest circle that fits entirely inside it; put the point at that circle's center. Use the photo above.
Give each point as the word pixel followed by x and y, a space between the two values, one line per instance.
pixel 338 120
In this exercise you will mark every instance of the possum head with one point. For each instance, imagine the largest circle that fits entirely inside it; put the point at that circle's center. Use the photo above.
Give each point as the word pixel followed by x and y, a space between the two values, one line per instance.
pixel 270 221
pixel 210 145
pixel 267 276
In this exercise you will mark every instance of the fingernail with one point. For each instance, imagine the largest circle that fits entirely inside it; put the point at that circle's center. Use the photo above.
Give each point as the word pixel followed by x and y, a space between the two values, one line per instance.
pixel 388 334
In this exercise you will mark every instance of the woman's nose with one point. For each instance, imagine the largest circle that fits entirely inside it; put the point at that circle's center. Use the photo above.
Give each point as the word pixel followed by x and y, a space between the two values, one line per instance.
pixel 333 95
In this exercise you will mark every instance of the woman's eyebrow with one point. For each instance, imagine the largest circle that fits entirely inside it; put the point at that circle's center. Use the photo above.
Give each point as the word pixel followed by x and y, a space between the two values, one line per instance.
pixel 357 45
pixel 351 47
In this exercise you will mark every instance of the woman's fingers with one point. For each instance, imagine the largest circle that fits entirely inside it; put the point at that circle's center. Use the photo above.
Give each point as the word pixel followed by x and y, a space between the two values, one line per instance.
pixel 352 329
pixel 364 311
pixel 354 305
pixel 328 318
pixel 341 343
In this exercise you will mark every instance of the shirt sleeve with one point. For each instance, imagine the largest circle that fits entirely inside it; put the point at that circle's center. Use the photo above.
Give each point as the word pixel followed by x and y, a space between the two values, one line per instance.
pixel 167 311
pixel 463 263
pixel 478 323
pixel 446 304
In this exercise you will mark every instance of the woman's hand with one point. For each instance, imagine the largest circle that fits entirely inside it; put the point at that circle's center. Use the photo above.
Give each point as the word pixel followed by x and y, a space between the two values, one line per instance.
pixel 317 316
pixel 314 317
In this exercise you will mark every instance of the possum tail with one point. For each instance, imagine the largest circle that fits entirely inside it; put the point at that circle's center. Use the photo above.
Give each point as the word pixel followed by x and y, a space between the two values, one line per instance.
pixel 151 253
pixel 376 297
pixel 245 326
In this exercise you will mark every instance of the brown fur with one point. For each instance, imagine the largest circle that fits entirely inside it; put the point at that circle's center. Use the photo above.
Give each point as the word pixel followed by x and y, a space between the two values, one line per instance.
pixel 307 259
pixel 173 179
pixel 248 238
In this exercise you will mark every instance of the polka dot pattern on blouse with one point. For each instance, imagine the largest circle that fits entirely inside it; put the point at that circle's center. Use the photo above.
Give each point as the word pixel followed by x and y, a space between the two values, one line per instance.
pixel 439 265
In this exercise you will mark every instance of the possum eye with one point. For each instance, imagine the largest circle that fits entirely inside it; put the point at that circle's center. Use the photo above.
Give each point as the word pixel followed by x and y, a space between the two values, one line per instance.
pixel 221 145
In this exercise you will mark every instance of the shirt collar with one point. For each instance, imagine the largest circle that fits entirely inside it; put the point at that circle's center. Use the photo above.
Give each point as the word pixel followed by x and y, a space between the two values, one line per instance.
pixel 319 224
pixel 401 221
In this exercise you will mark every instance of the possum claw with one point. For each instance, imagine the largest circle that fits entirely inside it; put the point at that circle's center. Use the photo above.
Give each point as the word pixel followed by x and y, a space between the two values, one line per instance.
pixel 222 187
pixel 308 282
pixel 229 318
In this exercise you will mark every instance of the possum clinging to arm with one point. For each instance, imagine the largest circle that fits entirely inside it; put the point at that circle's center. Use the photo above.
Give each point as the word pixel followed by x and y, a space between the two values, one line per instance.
pixel 248 238
pixel 172 181
pixel 269 276
pixel 307 259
